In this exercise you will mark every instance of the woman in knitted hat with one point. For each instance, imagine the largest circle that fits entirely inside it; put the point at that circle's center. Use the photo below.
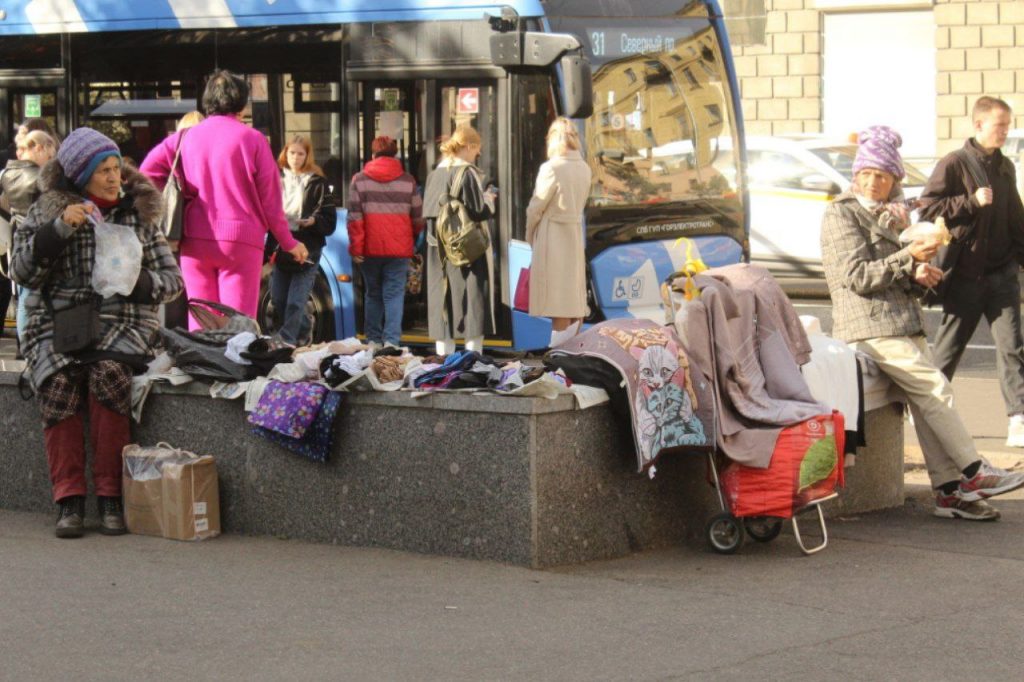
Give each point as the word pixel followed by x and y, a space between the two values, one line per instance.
pixel 875 282
pixel 81 350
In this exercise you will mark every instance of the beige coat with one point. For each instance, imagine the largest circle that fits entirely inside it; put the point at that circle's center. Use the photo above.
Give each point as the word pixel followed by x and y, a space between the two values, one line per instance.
pixel 554 228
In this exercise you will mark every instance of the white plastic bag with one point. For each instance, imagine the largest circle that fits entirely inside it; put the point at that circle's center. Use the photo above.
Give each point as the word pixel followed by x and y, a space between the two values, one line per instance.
pixel 927 232
pixel 118 259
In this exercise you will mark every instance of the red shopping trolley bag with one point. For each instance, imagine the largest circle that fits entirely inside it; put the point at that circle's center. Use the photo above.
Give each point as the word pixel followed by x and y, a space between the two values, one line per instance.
pixel 806 466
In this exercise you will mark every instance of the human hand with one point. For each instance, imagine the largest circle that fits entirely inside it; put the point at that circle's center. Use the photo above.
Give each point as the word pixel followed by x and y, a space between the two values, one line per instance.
pixel 927 275
pixel 924 250
pixel 75 215
pixel 299 252
pixel 358 260
pixel 983 196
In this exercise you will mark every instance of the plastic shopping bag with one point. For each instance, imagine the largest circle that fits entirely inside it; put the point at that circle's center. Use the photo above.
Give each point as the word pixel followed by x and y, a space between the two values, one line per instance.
pixel 118 259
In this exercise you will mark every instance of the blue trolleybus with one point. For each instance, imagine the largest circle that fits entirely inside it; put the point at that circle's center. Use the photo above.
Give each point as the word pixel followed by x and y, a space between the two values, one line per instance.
pixel 651 83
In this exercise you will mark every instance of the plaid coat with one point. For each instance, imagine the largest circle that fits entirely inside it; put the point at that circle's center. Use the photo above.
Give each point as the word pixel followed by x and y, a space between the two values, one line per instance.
pixel 869 274
pixel 57 263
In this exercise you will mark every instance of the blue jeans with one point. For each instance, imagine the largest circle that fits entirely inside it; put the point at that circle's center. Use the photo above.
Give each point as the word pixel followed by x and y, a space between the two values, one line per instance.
pixel 384 297
pixel 289 292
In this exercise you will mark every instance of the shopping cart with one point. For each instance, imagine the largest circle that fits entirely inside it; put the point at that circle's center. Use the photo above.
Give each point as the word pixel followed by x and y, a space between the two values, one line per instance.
pixel 805 470
pixel 806 467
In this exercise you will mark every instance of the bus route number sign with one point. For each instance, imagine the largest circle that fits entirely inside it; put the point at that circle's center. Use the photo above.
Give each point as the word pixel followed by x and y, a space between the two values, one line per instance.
pixel 468 100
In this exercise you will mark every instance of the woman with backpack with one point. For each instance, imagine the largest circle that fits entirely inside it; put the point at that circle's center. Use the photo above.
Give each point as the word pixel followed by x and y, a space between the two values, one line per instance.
pixel 311 217
pixel 554 228
pixel 457 295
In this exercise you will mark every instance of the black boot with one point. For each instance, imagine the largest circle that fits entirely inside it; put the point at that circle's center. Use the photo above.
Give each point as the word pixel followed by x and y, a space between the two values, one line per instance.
pixel 111 516
pixel 70 517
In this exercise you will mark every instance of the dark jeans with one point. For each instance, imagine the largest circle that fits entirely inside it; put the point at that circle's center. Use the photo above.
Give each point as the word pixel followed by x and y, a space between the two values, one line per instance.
pixel 996 297
pixel 384 298
pixel 289 292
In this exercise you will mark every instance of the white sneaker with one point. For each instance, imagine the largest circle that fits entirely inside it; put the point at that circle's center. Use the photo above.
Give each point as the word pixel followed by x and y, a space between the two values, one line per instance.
pixel 1015 432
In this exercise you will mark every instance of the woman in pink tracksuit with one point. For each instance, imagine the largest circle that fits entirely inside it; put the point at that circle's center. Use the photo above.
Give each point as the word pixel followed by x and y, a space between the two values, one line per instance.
pixel 232 184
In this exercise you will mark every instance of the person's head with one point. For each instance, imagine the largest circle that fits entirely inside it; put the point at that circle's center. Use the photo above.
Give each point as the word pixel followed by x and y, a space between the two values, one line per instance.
pixel 190 119
pixel 92 163
pixel 464 144
pixel 226 94
pixel 992 118
pixel 562 137
pixel 384 146
pixel 40 124
pixel 37 147
pixel 297 156
pixel 878 165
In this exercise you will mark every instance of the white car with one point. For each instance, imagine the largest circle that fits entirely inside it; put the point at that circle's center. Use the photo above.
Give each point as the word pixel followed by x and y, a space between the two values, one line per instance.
pixel 791 180
pixel 1013 148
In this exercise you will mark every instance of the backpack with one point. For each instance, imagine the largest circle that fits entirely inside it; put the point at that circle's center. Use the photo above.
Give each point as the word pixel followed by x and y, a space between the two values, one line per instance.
pixel 461 239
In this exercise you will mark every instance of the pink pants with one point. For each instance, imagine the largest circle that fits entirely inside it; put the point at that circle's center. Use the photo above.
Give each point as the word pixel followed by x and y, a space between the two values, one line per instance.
pixel 222 272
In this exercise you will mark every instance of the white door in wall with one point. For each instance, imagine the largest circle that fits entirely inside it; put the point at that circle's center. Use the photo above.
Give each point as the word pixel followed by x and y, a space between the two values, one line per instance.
pixel 880 69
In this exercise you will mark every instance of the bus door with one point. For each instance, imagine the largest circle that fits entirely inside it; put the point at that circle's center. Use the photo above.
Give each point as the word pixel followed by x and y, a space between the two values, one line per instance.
pixel 420 114
pixel 20 100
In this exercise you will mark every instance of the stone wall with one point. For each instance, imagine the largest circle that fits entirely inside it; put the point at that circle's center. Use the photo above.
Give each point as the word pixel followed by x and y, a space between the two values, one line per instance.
pixel 979 50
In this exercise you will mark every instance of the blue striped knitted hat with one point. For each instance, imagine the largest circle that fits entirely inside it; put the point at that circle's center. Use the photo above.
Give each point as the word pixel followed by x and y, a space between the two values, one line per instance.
pixel 82 151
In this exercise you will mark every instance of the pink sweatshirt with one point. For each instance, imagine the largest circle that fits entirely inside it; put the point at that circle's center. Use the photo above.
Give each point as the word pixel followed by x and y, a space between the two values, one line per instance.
pixel 231 178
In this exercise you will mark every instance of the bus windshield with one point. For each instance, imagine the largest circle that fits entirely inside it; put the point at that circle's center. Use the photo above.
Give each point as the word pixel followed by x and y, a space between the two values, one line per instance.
pixel 662 129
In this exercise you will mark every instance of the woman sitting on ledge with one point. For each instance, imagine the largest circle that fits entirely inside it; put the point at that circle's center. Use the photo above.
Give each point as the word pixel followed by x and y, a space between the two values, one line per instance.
pixel 54 255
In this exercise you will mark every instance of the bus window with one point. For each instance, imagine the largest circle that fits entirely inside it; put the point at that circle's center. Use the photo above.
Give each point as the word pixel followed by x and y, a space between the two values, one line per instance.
pixel 535 109
pixel 310 108
pixel 393 109
pixel 472 104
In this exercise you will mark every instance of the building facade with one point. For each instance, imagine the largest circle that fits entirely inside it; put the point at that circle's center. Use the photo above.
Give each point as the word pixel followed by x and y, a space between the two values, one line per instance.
pixel 837 66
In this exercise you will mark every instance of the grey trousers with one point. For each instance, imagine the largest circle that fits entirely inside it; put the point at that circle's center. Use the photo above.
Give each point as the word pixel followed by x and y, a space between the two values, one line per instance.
pixel 996 297
pixel 947 446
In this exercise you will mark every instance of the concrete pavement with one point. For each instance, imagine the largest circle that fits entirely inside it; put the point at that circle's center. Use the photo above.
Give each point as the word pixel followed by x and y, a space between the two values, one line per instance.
pixel 897 595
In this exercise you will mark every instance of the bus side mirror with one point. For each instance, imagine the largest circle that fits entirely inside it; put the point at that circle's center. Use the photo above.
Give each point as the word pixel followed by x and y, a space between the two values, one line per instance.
pixel 533 50
pixel 577 86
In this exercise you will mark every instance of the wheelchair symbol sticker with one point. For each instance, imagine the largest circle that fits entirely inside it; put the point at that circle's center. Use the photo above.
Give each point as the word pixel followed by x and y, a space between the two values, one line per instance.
pixel 627 288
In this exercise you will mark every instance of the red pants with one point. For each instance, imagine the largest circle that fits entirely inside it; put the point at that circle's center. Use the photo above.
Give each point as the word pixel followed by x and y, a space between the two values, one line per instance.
pixel 109 432
pixel 106 387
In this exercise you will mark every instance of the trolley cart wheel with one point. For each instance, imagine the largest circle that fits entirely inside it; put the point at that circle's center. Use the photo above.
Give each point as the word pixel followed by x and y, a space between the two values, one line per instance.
pixel 763 528
pixel 724 533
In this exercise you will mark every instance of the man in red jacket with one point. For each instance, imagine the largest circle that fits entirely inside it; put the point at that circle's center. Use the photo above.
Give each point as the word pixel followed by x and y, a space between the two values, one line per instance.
pixel 385 214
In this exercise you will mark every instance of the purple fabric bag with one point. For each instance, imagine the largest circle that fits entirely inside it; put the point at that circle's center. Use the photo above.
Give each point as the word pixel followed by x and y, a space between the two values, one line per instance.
pixel 289 409
pixel 316 443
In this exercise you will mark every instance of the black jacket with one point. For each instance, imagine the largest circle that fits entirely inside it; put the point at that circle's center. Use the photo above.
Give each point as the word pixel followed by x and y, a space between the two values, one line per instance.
pixel 317 203
pixel 993 235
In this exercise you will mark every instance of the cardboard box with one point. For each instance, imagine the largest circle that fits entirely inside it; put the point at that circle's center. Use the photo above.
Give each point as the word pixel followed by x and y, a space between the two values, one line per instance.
pixel 170 493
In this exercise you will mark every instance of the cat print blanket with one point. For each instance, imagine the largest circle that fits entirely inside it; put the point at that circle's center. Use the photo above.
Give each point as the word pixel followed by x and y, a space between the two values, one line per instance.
pixel 671 412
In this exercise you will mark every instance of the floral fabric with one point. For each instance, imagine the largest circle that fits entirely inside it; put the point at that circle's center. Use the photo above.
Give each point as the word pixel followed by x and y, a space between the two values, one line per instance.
pixel 289 409
pixel 319 437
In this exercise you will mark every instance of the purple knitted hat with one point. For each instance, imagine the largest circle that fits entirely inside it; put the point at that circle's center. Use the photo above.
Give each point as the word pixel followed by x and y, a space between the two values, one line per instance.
pixel 878 148
pixel 82 152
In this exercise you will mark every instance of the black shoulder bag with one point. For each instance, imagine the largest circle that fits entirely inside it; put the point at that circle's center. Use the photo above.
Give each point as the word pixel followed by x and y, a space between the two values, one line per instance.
pixel 948 255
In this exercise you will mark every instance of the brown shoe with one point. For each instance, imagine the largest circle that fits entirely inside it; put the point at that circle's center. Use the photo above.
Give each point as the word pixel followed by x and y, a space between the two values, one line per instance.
pixel 70 517
pixel 111 516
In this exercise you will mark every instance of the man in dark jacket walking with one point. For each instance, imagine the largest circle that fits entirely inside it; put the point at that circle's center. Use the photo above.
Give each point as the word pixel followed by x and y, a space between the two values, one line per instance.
pixel 975 190
pixel 385 214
